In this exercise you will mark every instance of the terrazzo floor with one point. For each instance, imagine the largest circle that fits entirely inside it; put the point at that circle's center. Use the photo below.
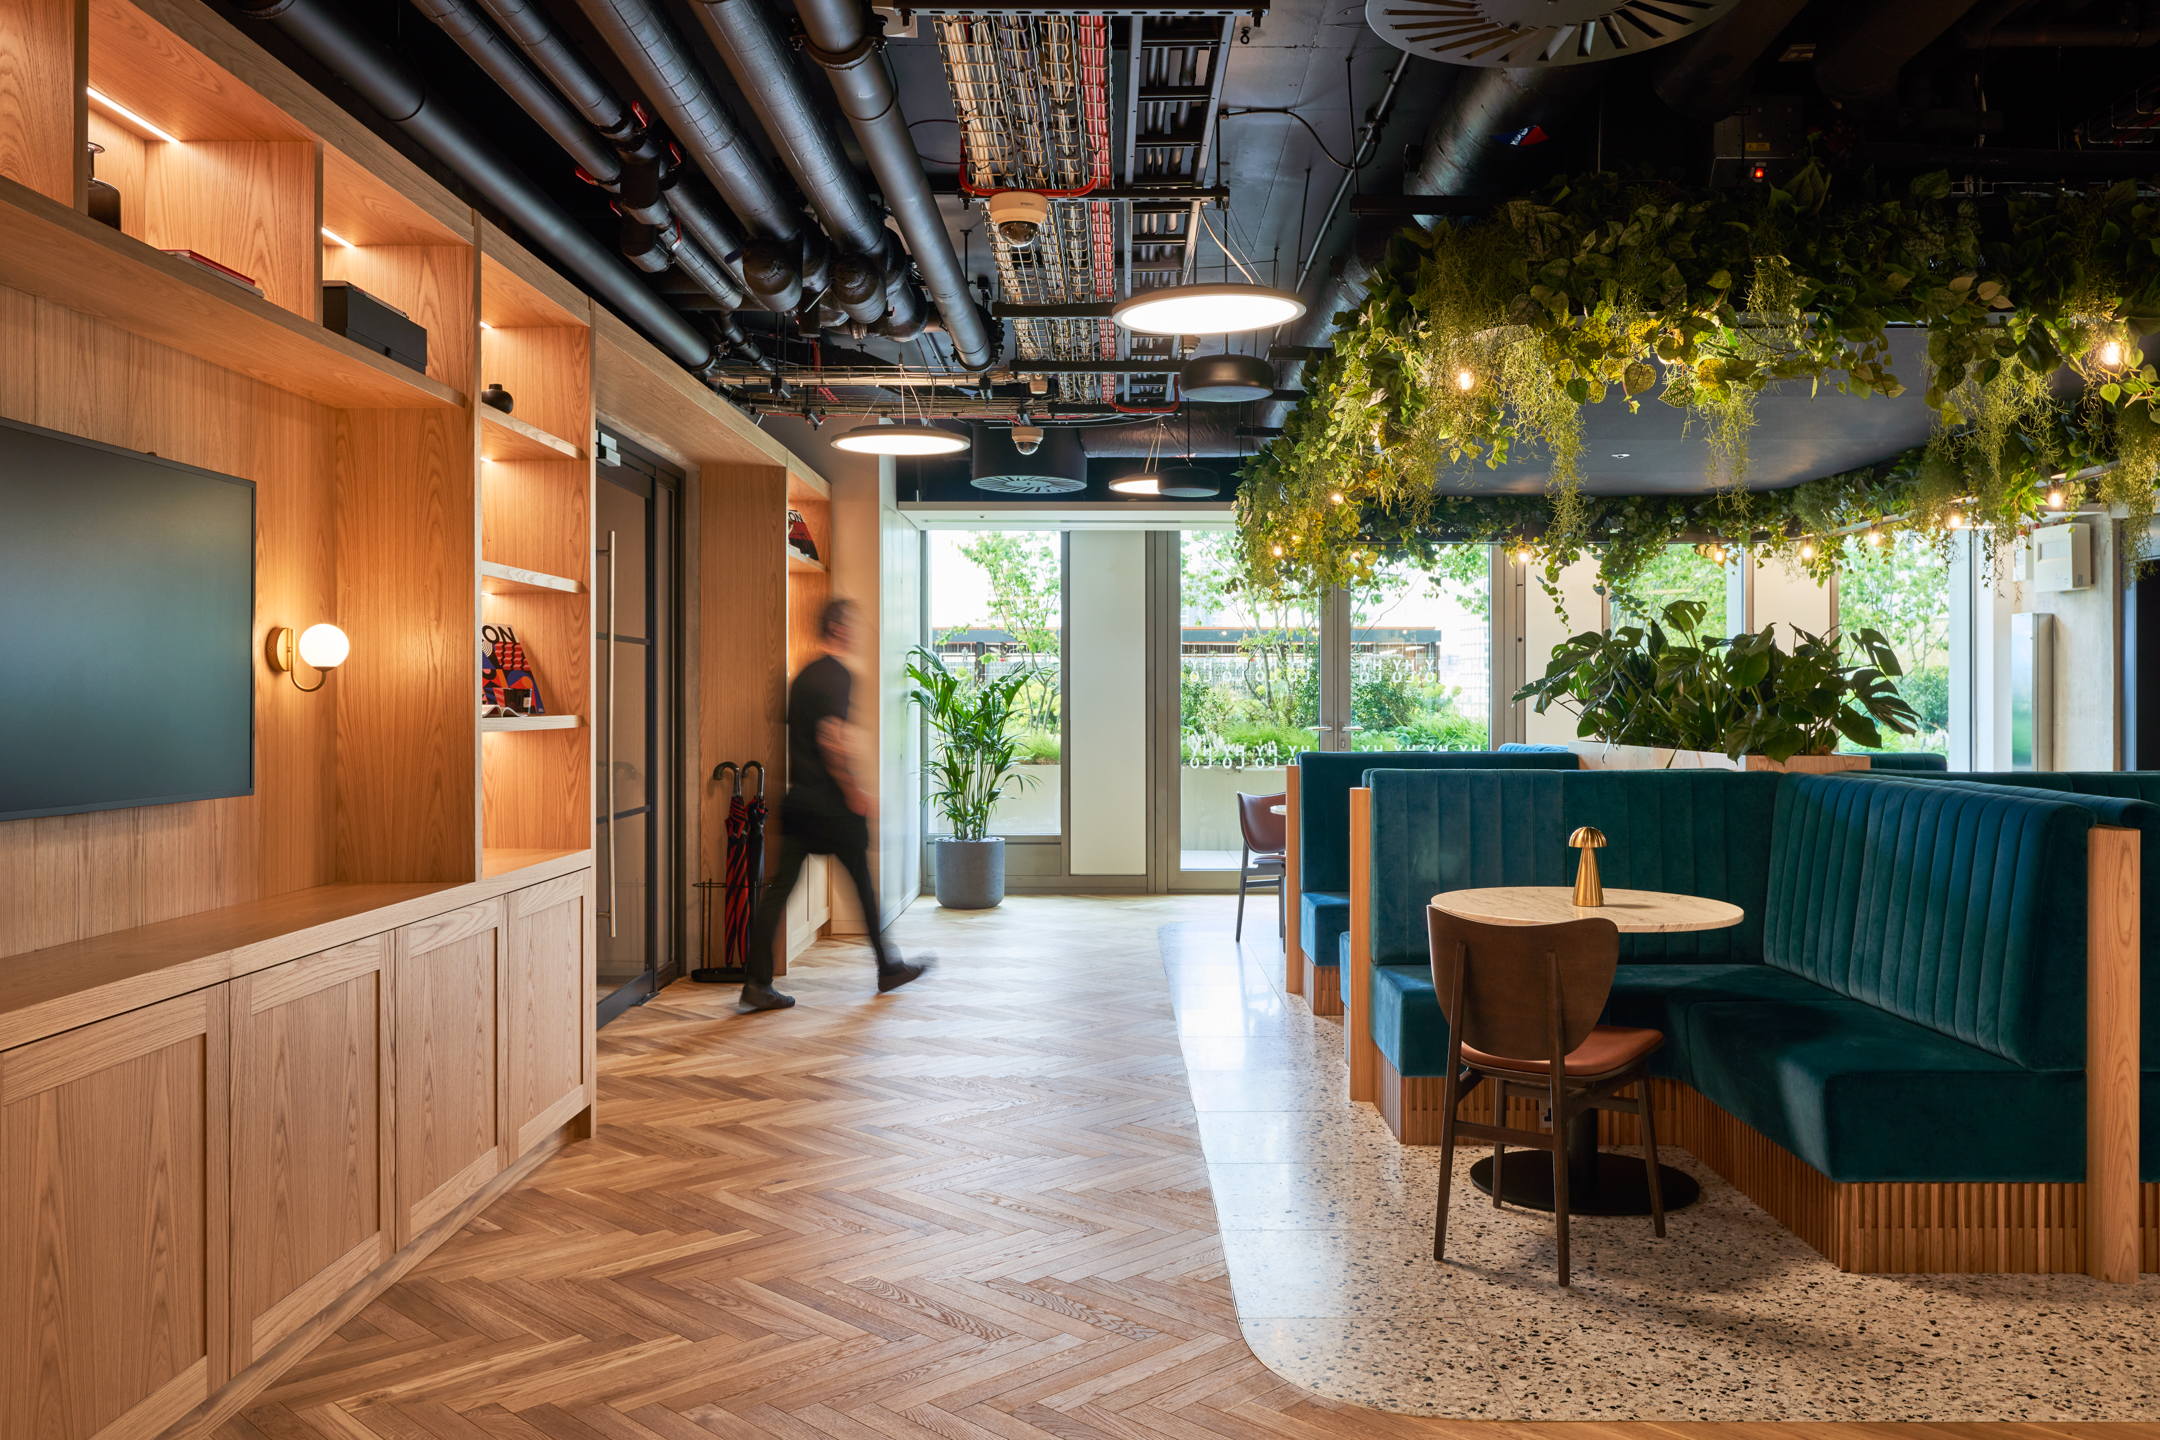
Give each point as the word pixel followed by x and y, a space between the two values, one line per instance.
pixel 1327 1235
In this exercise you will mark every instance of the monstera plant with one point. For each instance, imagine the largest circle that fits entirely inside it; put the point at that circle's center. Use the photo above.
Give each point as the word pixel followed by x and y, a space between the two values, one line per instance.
pixel 1667 685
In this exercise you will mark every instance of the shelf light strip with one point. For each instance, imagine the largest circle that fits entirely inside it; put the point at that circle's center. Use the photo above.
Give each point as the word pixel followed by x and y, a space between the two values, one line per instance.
pixel 336 239
pixel 128 115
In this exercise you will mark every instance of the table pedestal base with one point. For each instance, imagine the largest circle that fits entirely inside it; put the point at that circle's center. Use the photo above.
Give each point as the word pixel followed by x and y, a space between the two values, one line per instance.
pixel 1619 1187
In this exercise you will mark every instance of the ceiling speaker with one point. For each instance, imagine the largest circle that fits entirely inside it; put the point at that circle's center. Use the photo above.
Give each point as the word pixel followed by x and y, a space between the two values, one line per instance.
pixel 1532 34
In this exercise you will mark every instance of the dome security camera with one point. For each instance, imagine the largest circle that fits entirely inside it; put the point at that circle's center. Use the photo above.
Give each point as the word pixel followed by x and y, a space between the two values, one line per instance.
pixel 1027 439
pixel 1019 216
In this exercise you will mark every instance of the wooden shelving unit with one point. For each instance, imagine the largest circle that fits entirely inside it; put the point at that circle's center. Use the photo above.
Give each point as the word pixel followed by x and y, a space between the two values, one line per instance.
pixel 498 579
pixel 505 437
pixel 803 563
pixel 59 255
pixel 501 724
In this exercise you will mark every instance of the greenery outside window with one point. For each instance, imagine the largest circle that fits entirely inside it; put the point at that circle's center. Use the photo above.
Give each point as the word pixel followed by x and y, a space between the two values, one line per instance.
pixel 996 601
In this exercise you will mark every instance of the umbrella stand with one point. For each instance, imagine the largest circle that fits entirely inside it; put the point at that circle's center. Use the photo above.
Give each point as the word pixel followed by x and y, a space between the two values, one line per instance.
pixel 730 969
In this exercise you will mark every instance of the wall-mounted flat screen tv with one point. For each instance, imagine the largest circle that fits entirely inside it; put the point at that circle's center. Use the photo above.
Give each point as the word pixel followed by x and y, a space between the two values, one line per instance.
pixel 127 621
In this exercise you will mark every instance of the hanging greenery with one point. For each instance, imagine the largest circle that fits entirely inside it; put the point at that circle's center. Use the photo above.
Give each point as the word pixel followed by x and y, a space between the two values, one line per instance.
pixel 1480 341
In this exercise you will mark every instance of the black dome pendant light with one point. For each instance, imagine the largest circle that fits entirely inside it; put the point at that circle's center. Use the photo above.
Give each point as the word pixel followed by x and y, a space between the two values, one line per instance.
pixel 1227 379
pixel 1188 481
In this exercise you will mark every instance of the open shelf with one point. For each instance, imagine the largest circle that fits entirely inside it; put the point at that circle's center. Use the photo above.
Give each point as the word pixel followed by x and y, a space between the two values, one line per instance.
pixel 510 580
pixel 505 437
pixel 503 860
pixel 797 561
pixel 531 722
pixel 73 261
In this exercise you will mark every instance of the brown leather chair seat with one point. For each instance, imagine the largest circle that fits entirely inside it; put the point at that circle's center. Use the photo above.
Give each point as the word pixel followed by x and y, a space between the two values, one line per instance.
pixel 1609 1048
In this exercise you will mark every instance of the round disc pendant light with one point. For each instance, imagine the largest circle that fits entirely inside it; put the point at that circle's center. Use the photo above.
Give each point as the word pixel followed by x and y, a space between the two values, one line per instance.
pixel 916 437
pixel 1213 309
pixel 1227 379
pixel 1187 482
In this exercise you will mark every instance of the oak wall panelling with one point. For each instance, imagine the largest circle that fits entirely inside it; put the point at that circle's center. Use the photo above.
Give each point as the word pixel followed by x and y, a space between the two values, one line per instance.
pixel 83 875
pixel 113 1225
pixel 44 59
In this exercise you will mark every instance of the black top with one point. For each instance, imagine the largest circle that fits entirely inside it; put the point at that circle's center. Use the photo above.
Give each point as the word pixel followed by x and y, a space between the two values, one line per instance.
pixel 820 693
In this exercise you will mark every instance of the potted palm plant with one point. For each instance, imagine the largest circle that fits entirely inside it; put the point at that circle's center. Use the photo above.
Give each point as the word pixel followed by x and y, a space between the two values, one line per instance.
pixel 974 762
pixel 1666 695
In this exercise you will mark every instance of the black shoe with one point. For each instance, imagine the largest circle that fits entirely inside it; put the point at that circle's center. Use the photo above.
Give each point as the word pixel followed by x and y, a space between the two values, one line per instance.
pixel 764 997
pixel 892 977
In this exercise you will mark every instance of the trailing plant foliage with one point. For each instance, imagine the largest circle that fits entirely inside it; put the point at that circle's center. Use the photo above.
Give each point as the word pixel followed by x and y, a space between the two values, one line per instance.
pixel 1672 687
pixel 1479 342
pixel 976 739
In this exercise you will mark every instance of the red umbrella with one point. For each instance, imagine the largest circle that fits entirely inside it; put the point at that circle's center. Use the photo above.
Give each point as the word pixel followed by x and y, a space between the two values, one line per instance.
pixel 745 870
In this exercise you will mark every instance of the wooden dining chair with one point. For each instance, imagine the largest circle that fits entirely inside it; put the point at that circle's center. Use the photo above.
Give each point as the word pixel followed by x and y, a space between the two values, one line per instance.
pixel 1522 1003
pixel 1261 861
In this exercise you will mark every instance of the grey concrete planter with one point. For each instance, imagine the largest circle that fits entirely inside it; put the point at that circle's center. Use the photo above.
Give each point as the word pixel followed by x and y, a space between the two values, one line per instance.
pixel 969 874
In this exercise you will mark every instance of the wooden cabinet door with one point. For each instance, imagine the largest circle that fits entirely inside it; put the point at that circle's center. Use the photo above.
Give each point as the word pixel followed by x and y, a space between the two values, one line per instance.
pixel 548 1047
pixel 448 1079
pixel 113 1223
pixel 312 1210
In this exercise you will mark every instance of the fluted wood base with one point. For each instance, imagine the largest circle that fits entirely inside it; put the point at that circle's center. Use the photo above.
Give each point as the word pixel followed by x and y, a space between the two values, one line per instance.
pixel 1323 988
pixel 1875 1229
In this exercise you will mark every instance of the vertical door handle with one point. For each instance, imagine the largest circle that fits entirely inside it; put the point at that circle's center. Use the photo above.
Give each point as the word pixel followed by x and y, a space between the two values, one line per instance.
pixel 608 801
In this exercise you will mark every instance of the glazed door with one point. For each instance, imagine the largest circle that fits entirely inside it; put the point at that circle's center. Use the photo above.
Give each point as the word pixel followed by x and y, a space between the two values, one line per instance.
pixel 635 746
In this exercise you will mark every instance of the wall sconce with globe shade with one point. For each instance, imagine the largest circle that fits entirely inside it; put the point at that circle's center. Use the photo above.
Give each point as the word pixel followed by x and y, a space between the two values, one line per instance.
pixel 321 647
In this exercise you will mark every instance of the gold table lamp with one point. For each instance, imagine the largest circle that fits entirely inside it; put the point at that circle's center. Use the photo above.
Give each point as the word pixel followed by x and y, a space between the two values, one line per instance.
pixel 1589 890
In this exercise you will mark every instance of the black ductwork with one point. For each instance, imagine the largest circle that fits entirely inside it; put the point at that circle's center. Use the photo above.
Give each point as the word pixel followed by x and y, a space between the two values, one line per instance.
pixel 764 66
pixel 536 34
pixel 1458 159
pixel 765 69
pixel 507 68
pixel 385 82
pixel 1705 77
pixel 839 40
pixel 661 65
pixel 1872 42
pixel 626 162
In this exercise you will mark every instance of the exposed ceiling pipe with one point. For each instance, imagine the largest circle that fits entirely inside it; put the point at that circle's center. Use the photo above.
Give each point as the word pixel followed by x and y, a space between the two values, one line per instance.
pixel 388 85
pixel 1705 76
pixel 839 40
pixel 1368 141
pixel 762 65
pixel 507 68
pixel 661 65
pixel 1872 42
pixel 1459 159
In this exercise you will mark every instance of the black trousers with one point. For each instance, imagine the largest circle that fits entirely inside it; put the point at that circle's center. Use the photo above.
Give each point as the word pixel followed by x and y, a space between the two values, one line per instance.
pixel 849 844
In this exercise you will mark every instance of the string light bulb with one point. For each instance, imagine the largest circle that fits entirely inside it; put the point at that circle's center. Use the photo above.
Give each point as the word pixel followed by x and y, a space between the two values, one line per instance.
pixel 1874 535
pixel 1464 380
pixel 2055 492
pixel 1523 554
pixel 1336 497
pixel 1957 519
pixel 1276 551
pixel 1807 550
pixel 2111 354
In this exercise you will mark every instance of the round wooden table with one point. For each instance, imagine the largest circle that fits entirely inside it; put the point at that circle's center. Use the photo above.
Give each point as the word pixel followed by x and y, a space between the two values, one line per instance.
pixel 1598 1183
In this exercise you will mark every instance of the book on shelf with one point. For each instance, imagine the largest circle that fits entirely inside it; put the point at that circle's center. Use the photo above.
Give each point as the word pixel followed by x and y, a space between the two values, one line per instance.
pixel 223 272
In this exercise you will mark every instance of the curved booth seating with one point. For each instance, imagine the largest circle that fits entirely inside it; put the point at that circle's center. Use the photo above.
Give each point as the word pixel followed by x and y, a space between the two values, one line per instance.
pixel 1890 1054
pixel 1901 761
pixel 1319 861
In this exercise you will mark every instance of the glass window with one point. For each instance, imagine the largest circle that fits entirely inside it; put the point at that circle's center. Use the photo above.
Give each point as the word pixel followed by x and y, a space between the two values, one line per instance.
pixel 1421 655
pixel 996 605
pixel 1248 696
pixel 1902 589
pixel 1681 572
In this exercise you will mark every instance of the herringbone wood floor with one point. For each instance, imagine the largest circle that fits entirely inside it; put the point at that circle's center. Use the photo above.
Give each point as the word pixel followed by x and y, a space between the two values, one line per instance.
pixel 973 1210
